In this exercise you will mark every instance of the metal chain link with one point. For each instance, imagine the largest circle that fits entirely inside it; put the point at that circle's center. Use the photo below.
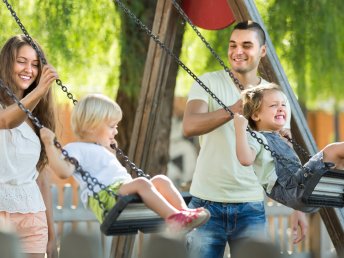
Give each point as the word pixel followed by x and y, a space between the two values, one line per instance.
pixel 298 147
pixel 20 105
pixel 122 156
pixel 274 154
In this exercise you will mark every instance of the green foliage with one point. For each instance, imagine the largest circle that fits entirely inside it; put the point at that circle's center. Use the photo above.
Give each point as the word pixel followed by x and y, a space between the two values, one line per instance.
pixel 85 41
pixel 80 39
pixel 308 36
pixel 198 58
pixel 134 43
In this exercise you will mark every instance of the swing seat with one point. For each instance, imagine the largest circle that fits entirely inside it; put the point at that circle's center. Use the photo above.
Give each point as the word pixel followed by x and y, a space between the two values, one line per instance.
pixel 329 192
pixel 131 215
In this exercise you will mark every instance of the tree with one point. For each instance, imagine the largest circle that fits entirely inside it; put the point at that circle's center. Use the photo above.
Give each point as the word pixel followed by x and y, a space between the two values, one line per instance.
pixel 134 45
pixel 308 35
pixel 198 58
pixel 150 148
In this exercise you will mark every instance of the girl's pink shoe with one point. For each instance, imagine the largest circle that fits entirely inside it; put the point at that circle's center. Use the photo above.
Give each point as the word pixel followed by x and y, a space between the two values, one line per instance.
pixel 185 221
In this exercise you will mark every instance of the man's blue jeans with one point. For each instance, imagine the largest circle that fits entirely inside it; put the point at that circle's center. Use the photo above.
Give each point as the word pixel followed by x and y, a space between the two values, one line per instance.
pixel 229 222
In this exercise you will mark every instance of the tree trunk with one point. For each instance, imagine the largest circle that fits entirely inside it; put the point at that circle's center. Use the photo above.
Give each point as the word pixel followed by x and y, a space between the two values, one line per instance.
pixel 161 142
pixel 149 141
pixel 134 46
pixel 129 106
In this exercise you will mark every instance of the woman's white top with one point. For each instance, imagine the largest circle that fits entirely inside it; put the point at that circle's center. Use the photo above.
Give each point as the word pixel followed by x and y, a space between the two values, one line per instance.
pixel 100 163
pixel 19 153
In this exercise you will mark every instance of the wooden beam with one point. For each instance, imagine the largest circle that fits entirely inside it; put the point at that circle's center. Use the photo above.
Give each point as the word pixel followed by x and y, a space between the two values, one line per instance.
pixel 271 69
pixel 334 222
pixel 155 83
pixel 155 105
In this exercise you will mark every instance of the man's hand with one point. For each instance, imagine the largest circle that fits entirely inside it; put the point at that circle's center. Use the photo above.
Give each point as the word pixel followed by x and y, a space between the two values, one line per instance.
pixel 237 107
pixel 298 219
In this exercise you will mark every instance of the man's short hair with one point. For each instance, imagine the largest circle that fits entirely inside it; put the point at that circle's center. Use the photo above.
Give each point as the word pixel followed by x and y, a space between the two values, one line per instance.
pixel 251 25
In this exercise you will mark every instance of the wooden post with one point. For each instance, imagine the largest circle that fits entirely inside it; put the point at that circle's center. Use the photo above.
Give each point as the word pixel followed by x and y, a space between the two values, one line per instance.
pixel 334 222
pixel 155 106
pixel 272 70
pixel 157 91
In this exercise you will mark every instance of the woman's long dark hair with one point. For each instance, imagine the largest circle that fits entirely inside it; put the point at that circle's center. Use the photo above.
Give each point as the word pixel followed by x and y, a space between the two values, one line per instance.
pixel 44 110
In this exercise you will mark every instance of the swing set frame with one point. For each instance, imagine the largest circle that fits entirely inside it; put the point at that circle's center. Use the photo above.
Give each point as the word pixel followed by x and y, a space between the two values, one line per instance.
pixel 124 225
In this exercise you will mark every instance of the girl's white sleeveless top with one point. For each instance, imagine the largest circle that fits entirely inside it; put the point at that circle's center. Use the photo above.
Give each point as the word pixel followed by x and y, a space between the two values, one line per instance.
pixel 19 153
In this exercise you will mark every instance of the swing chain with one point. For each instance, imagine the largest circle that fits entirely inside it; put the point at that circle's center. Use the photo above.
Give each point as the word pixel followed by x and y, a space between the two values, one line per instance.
pixel 21 106
pixel 38 51
pixel 170 53
pixel 206 43
pixel 22 27
pixel 274 154
pixel 87 178
pixel 126 160
pixel 298 147
pixel 65 90
pixel 90 181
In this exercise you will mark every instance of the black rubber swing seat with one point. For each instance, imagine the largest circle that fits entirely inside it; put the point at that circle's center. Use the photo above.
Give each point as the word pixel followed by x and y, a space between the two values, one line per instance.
pixel 329 192
pixel 131 215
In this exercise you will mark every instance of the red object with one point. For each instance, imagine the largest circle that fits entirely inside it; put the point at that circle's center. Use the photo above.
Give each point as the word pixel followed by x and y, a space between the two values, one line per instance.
pixel 209 14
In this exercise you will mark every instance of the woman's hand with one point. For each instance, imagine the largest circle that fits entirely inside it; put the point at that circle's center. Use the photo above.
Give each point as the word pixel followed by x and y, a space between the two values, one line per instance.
pixel 52 249
pixel 48 76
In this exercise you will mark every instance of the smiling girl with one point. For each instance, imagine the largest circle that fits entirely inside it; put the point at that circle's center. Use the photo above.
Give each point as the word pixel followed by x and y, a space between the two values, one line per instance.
pixel 94 122
pixel 286 180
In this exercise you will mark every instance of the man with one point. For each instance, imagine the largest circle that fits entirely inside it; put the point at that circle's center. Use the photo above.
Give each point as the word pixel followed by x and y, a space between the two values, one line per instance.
pixel 228 190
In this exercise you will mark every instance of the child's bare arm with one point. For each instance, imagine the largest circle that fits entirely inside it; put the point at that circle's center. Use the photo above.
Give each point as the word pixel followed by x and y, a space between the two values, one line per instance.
pixel 245 154
pixel 60 166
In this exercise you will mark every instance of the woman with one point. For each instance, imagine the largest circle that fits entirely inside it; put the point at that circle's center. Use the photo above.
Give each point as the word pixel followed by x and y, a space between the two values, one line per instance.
pixel 23 174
